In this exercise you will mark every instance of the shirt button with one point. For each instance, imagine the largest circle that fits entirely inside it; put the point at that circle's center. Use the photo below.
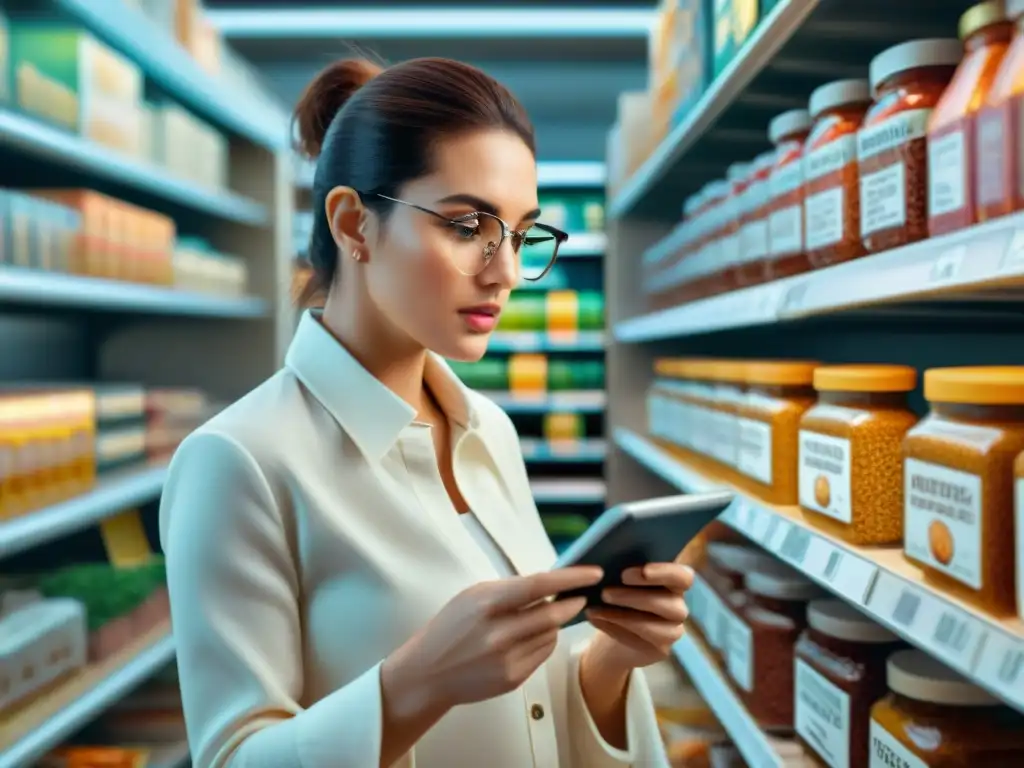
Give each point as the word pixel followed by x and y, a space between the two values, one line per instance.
pixel 537 712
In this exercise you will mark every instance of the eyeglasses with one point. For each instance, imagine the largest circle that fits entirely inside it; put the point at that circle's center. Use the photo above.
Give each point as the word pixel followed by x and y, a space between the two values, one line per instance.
pixel 478 236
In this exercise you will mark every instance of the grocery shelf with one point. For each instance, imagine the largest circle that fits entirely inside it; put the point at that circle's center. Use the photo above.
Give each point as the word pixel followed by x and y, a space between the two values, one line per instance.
pixel 568 491
pixel 586 401
pixel 171 67
pixel 35 288
pixel 28 732
pixel 46 142
pixel 927 277
pixel 588 450
pixel 878 580
pixel 757 748
pixel 546 341
pixel 583 244
pixel 121 490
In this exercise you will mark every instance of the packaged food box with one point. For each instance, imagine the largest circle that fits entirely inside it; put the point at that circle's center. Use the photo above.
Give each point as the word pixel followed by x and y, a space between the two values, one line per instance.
pixel 39 643
pixel 734 22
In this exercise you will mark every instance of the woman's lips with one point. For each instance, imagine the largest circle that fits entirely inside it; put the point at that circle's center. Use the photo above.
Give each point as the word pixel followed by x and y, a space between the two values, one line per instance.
pixel 479 321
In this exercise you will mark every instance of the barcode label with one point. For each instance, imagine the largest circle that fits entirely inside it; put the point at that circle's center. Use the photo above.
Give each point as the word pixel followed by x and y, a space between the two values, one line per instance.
pixel 769 532
pixel 794 297
pixel 947 267
pixel 794 546
pixel 759 523
pixel 779 535
pixel 906 608
pixel 835 559
pixel 1000 666
pixel 952 633
pixel 1010 669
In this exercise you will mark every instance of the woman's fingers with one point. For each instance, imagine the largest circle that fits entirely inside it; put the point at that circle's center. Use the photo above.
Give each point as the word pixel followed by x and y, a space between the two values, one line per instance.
pixel 646 626
pixel 541 618
pixel 517 592
pixel 621 635
pixel 672 576
pixel 658 601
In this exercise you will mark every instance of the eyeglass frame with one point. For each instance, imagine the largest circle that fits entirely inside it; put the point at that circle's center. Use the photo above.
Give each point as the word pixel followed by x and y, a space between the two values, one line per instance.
pixel 506 231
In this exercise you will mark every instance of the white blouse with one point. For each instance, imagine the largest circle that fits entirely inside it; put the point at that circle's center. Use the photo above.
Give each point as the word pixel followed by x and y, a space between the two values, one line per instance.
pixel 308 534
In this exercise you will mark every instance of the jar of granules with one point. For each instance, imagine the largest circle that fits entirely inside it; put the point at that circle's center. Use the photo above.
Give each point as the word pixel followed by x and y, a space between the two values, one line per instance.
pixel 998 179
pixel 892 152
pixel 786 253
pixel 726 571
pixel 778 394
pixel 958 475
pixel 754 221
pixel 986 32
pixel 851 445
pixel 831 177
pixel 762 641
pixel 730 387
pixel 840 673
pixel 933 717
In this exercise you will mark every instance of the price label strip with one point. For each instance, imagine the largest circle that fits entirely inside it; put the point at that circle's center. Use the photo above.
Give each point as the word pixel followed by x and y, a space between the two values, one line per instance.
pixel 774 543
pixel 795 546
pixel 741 514
pixel 1001 667
pixel 760 521
pixel 793 298
pixel 942 629
pixel 841 572
pixel 946 268
pixel 1013 259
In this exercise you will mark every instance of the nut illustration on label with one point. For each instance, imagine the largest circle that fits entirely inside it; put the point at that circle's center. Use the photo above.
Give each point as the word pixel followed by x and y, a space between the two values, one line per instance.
pixel 822 491
pixel 940 540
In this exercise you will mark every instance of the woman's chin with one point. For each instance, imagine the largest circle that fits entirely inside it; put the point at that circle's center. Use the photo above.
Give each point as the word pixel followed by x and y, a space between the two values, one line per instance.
pixel 467 348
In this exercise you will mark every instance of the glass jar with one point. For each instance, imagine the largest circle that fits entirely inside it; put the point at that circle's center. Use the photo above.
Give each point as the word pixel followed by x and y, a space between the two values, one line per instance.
pixel 850 455
pixel 934 718
pixel 892 152
pixel 762 638
pixel 725 574
pixel 754 221
pixel 736 176
pixel 986 32
pixel 707 274
pixel 959 483
pixel 1018 495
pixel 840 673
pixel 664 408
pixel 831 178
pixel 730 386
pixel 703 412
pixel 999 183
pixel 777 395
pixel 786 253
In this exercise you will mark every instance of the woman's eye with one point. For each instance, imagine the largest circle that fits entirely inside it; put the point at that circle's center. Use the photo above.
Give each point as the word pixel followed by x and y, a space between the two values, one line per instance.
pixel 465 231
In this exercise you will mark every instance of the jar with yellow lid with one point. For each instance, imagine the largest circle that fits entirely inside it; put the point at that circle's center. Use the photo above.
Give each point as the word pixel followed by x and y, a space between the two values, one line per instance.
pixel 729 386
pixel 666 404
pixel 958 475
pixel 778 393
pixel 679 404
pixel 934 718
pixel 1018 495
pixel 702 396
pixel 850 468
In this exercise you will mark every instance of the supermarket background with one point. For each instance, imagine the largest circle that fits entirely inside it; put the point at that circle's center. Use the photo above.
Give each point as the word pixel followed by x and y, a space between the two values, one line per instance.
pixel 739 226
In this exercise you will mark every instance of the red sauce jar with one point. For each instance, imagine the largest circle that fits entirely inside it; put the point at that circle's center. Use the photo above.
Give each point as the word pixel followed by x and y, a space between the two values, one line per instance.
pixel 754 221
pixel 786 253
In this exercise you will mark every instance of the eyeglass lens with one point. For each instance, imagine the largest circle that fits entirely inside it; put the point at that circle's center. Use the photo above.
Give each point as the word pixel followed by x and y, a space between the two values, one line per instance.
pixel 479 239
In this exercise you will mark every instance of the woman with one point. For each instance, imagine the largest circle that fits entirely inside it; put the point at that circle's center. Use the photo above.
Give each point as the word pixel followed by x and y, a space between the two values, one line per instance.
pixel 357 569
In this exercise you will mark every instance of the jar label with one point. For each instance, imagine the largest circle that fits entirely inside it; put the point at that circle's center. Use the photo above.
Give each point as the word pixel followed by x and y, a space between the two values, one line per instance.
pixel 892 133
pixel 755 450
pixel 830 158
pixel 822 716
pixel 883 202
pixel 723 446
pixel 990 147
pixel 753 241
pixel 942 517
pixel 730 250
pixel 947 173
pixel 740 653
pixel 1020 545
pixel 887 752
pixel 824 475
pixel 785 179
pixel 785 231
pixel 824 218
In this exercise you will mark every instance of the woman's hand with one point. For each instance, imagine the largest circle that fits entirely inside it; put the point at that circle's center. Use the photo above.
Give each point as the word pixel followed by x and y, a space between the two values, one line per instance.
pixel 647 617
pixel 488 640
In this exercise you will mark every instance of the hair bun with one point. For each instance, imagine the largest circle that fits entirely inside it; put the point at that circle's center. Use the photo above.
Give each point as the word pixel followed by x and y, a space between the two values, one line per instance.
pixel 325 96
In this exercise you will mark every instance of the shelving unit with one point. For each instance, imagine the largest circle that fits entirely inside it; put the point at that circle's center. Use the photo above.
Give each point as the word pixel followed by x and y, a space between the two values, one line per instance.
pixel 945 301
pixel 66 329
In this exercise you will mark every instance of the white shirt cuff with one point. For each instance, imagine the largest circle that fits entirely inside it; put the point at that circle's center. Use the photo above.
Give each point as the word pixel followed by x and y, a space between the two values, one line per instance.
pixel 590 748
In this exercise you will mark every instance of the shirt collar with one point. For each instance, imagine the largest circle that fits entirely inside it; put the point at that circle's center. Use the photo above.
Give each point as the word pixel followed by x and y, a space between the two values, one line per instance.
pixel 370 413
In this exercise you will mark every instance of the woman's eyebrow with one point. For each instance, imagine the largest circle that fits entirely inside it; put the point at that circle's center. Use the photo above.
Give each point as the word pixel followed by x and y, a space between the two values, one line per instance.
pixel 479 204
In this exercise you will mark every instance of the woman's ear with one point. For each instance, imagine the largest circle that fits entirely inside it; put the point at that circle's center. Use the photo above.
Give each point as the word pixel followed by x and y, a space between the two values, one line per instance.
pixel 347 218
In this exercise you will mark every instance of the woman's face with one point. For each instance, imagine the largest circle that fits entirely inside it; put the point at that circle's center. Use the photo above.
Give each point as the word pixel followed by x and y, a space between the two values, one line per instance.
pixel 412 268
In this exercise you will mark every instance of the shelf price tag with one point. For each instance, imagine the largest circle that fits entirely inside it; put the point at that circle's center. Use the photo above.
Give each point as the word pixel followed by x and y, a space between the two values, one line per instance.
pixel 795 545
pixel 1001 667
pixel 1013 259
pixel 846 574
pixel 793 298
pixel 769 532
pixel 760 523
pixel 778 536
pixel 946 268
pixel 741 514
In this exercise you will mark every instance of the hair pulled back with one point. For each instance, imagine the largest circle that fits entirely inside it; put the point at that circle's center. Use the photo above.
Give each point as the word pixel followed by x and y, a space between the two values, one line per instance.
pixel 372 129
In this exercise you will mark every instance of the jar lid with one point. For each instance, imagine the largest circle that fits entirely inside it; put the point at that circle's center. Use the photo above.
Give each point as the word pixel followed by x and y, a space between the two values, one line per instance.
pixel 737 172
pixel 718 189
pixel 865 378
pixel 763 162
pixel 844 622
pixel 731 371
pixel 737 558
pixel 837 94
pixel 788 123
pixel 669 366
pixel 778 580
pixel 934 52
pixel 781 372
pixel 918 676
pixel 690 205
pixel 983 385
pixel 980 16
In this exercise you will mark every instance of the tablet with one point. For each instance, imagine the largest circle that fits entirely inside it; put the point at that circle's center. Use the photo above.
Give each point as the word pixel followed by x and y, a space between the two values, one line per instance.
pixel 637 533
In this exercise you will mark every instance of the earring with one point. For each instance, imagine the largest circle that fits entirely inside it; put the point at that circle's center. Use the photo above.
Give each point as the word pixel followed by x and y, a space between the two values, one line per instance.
pixel 357 254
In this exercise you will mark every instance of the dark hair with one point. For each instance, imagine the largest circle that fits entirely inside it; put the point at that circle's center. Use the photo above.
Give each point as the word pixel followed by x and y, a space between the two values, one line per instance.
pixel 372 129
